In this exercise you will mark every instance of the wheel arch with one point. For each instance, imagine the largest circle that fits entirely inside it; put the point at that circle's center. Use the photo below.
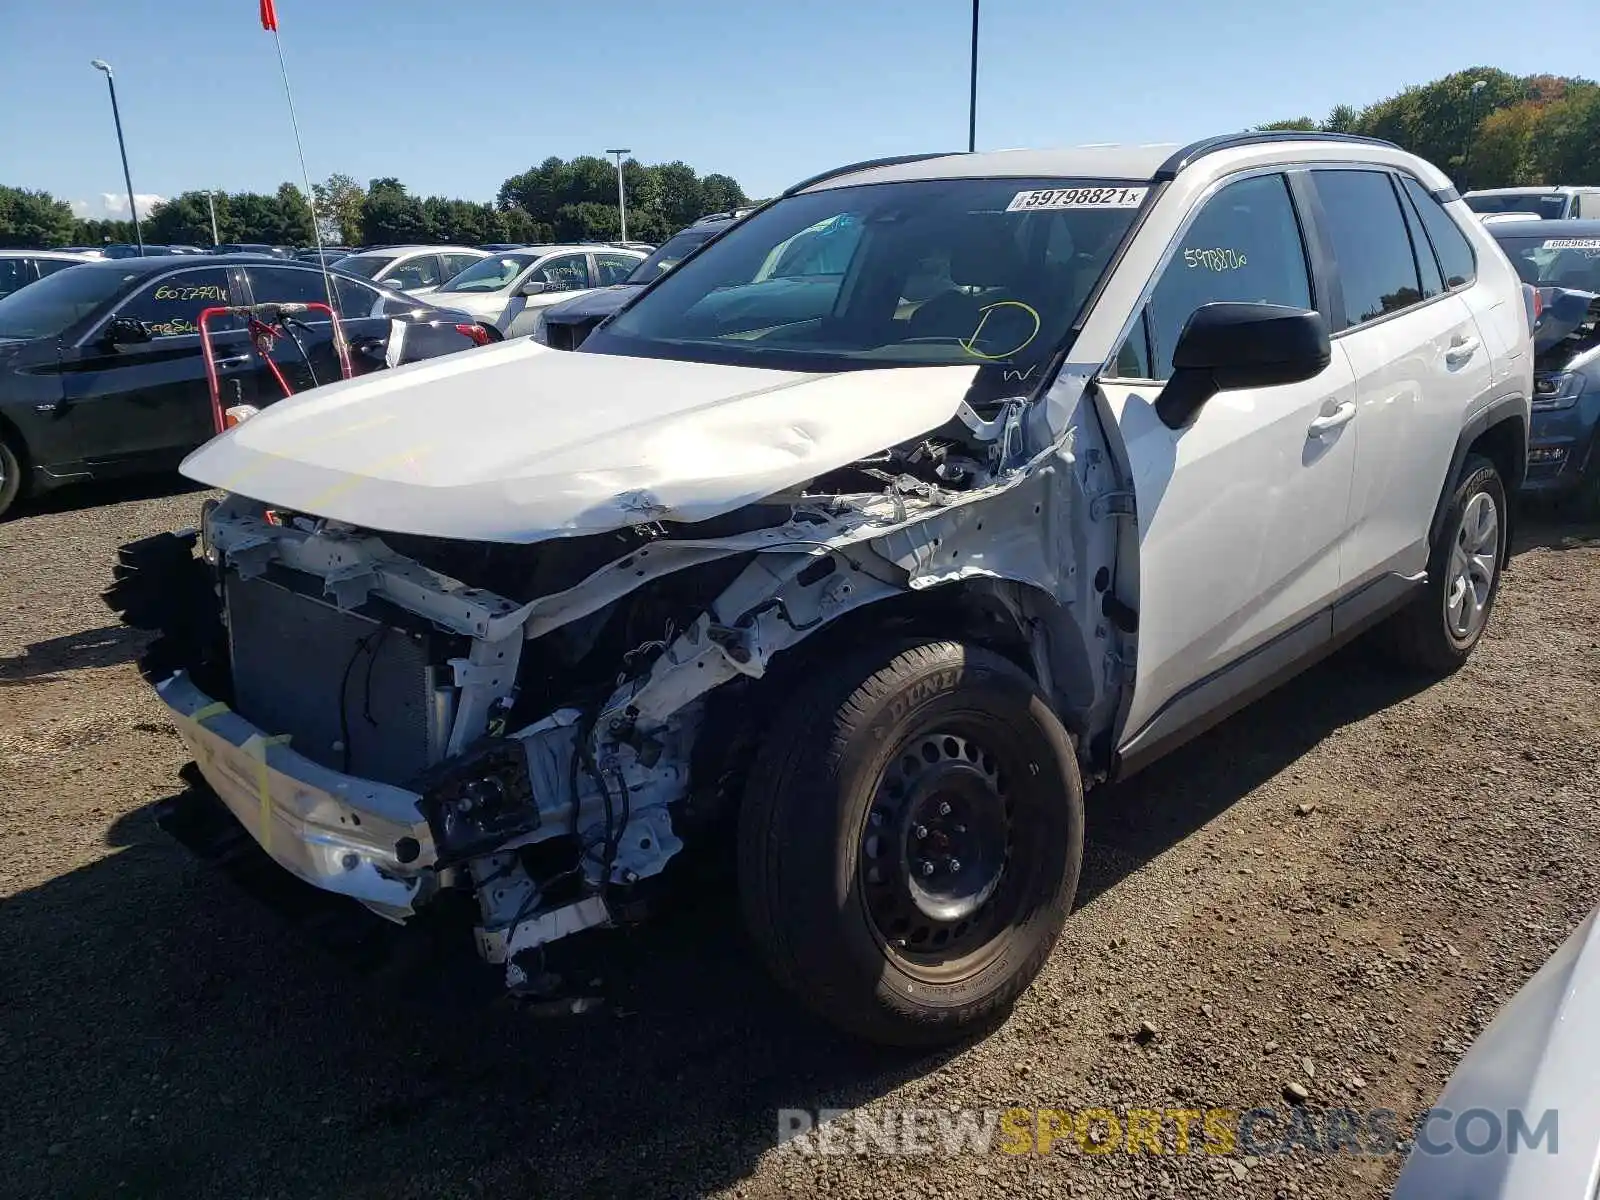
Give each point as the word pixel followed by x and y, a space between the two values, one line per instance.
pixel 1498 433
pixel 1011 618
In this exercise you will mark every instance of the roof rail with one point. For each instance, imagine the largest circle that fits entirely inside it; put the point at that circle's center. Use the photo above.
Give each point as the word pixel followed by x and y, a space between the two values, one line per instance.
pixel 1228 141
pixel 865 165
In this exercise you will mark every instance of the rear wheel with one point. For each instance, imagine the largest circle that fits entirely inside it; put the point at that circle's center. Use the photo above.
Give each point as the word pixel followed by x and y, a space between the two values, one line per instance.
pixel 910 841
pixel 10 475
pixel 1439 629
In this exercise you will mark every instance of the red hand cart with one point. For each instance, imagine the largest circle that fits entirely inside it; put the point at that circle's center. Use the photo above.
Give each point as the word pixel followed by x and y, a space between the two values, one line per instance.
pixel 266 324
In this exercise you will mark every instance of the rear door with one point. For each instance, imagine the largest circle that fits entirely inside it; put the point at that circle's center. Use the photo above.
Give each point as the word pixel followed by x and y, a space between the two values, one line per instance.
pixel 1419 361
pixel 1241 513
pixel 143 400
pixel 314 360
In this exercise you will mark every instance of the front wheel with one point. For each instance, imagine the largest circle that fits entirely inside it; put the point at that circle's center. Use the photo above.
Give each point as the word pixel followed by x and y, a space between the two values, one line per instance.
pixel 1436 633
pixel 910 841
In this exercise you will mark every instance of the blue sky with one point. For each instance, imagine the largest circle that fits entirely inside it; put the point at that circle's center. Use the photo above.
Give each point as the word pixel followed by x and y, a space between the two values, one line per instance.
pixel 452 98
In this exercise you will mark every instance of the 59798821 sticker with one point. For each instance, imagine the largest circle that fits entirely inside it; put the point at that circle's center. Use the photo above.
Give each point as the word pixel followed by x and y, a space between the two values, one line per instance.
pixel 1055 199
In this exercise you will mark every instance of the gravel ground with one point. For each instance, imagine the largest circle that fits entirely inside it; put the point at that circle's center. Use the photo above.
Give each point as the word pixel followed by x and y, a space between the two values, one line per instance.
pixel 1337 888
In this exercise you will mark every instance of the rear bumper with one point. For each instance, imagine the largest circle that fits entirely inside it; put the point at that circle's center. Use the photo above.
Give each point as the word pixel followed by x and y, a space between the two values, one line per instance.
pixel 350 836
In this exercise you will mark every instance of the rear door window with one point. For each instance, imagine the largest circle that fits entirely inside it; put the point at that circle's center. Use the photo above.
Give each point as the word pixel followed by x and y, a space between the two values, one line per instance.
pixel 1456 259
pixel 1371 247
pixel 14 274
pixel 419 272
pixel 614 268
pixel 565 273
pixel 454 264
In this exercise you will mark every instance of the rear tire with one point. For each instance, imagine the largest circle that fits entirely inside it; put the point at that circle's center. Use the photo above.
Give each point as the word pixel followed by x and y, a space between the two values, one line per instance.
pixel 10 475
pixel 1436 633
pixel 910 841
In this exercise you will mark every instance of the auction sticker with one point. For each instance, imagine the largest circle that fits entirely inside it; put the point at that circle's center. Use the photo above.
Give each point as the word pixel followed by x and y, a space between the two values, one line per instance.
pixel 1559 243
pixel 1053 199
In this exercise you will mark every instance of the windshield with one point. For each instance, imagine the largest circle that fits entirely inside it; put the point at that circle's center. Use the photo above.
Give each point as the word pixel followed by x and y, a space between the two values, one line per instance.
pixel 490 274
pixel 1571 262
pixel 931 272
pixel 367 265
pixel 670 254
pixel 1552 207
pixel 47 308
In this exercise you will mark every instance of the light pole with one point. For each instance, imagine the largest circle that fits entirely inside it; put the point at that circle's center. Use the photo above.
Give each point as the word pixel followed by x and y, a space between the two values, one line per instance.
pixel 1478 85
pixel 622 198
pixel 211 204
pixel 133 211
pixel 972 94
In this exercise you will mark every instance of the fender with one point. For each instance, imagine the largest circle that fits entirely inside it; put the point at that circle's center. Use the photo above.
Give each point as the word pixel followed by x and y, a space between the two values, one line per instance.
pixel 1505 409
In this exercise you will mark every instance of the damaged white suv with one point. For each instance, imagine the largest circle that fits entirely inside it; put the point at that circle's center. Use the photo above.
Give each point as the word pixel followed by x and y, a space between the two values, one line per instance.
pixel 926 495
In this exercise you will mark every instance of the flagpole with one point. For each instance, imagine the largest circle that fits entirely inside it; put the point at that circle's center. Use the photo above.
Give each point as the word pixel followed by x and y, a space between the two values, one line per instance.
pixel 269 18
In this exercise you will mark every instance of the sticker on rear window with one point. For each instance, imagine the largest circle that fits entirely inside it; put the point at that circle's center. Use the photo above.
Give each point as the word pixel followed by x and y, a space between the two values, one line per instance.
pixel 1572 244
pixel 1052 199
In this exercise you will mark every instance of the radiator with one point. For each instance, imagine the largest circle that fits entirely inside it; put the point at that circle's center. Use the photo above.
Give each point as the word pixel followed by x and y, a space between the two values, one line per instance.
pixel 352 693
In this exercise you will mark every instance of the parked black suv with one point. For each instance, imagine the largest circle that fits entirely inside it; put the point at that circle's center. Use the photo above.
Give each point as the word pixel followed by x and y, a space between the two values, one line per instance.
pixel 101 372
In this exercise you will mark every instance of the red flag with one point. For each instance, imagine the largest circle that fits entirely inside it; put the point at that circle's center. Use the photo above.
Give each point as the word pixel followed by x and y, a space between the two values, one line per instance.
pixel 269 16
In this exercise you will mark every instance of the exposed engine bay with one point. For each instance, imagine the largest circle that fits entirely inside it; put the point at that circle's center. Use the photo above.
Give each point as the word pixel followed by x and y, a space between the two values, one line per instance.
pixel 546 725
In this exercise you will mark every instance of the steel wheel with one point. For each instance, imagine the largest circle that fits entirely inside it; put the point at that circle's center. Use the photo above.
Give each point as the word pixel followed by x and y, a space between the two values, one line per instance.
pixel 1474 561
pixel 936 848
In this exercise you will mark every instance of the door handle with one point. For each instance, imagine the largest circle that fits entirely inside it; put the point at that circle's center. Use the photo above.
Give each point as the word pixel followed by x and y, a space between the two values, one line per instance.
pixel 1461 349
pixel 1327 423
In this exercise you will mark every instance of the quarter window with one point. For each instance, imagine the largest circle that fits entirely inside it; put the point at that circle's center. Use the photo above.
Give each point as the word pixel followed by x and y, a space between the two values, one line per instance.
pixel 1370 245
pixel 1449 243
pixel 1245 246
pixel 171 306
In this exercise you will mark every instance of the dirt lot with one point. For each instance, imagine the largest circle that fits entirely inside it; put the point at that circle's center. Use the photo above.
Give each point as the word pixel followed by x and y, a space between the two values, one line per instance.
pixel 1354 874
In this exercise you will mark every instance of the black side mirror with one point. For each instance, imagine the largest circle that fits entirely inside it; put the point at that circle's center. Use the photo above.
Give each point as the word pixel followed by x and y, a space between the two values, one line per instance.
pixel 1229 346
pixel 125 331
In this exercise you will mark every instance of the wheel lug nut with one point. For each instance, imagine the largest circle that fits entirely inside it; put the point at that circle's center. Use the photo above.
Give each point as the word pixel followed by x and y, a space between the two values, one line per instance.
pixel 944 808
pixel 922 831
pixel 954 865
pixel 927 868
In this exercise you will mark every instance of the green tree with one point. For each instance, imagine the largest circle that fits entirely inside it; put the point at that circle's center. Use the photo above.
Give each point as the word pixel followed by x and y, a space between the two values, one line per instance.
pixel 339 199
pixel 720 193
pixel 98 231
pixel 1305 124
pixel 294 226
pixel 391 216
pixel 33 219
pixel 184 220
pixel 1342 119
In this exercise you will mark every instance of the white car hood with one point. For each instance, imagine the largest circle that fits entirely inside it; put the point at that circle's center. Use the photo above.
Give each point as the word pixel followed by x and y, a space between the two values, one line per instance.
pixel 519 443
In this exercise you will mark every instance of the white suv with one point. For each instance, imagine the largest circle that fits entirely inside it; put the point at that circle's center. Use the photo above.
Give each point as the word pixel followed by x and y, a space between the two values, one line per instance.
pixel 926 495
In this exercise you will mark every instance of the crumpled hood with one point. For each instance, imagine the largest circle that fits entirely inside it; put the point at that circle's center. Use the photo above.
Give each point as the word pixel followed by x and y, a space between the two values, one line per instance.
pixel 519 443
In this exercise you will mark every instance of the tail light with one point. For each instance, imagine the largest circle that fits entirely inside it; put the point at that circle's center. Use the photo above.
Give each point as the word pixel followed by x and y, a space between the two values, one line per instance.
pixel 237 414
pixel 478 334
pixel 1533 301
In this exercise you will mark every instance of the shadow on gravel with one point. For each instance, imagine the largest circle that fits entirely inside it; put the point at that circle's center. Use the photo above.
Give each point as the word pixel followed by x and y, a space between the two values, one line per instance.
pixel 1133 822
pixel 104 647
pixel 75 496
pixel 161 1033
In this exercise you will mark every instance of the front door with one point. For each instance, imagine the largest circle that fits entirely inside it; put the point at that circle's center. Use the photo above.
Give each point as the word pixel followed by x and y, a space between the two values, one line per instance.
pixel 1240 514
pixel 137 401
pixel 563 275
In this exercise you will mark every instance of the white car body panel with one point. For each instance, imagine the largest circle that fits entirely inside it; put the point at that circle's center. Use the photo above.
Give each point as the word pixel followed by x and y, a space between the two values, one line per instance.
pixel 517 442
pixel 1416 374
pixel 1240 515
pixel 510 312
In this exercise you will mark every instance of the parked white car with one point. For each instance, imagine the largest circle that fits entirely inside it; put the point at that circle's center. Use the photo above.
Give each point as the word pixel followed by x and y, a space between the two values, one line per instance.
pixel 1550 203
pixel 415 269
pixel 1044 463
pixel 506 291
pixel 19 268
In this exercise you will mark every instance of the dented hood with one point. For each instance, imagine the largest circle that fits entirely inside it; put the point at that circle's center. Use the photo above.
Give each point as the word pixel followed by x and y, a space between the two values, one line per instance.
pixel 519 443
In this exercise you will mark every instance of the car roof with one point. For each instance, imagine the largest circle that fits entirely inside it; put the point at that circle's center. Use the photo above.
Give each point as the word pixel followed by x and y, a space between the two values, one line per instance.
pixel 74 255
pixel 1553 190
pixel 152 264
pixel 1156 162
pixel 402 251
pixel 1544 229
